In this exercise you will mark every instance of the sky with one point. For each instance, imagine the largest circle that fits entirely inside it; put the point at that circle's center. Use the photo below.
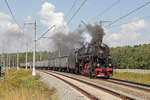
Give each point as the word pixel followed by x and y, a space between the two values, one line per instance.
pixel 131 30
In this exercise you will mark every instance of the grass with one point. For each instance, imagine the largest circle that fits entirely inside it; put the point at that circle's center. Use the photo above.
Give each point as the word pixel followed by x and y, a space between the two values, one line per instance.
pixel 136 77
pixel 20 85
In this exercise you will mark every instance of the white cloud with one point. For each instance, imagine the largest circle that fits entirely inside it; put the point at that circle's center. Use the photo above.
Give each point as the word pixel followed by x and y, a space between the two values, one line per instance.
pixel 49 17
pixel 4 16
pixel 11 36
pixel 5 24
pixel 28 19
pixel 135 25
pixel 130 34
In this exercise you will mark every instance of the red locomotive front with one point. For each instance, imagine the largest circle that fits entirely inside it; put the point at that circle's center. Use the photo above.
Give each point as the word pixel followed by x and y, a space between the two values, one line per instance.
pixel 94 60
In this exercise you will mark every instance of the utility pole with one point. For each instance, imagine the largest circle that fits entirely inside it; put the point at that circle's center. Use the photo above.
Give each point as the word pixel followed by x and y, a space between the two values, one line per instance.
pixel 34 50
pixel 9 61
pixel 40 57
pixel 40 54
pixel 1 60
pixel 17 60
pixel 13 61
pixel 4 61
pixel 27 58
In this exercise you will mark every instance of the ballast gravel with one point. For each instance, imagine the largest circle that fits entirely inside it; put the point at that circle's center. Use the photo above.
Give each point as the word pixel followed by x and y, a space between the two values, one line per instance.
pixel 94 91
pixel 137 94
pixel 64 91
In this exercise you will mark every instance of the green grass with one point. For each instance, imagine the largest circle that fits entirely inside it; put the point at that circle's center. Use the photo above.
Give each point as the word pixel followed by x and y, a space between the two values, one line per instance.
pixel 21 85
pixel 136 77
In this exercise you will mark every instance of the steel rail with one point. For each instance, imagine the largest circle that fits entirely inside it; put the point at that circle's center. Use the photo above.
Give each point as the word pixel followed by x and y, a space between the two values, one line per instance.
pixel 90 96
pixel 122 96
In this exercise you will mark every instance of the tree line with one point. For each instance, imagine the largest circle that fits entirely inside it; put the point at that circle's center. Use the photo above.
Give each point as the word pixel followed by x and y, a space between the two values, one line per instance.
pixel 131 57
pixel 127 57
pixel 11 58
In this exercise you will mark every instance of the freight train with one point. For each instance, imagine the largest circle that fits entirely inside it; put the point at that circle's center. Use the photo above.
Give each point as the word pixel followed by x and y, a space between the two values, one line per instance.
pixel 93 60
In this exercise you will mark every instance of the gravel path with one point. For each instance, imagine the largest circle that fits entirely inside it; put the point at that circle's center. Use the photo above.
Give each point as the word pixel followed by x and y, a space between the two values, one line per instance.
pixel 64 91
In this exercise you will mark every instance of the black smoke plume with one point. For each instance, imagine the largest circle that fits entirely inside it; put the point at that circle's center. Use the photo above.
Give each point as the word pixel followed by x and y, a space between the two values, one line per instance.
pixel 64 43
pixel 96 32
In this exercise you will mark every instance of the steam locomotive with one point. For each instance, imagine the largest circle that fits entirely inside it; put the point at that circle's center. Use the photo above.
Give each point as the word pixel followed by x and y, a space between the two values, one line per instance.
pixel 93 60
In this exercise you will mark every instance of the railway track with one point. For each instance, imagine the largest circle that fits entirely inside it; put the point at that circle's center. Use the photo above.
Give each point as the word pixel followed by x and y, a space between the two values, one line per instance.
pixel 143 87
pixel 90 96
pixel 134 85
pixel 126 81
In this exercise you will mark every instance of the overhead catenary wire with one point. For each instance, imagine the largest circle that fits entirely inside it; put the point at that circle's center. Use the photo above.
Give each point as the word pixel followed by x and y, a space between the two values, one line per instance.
pixel 145 17
pixel 42 36
pixel 7 4
pixel 73 5
pixel 138 8
pixel 107 9
pixel 82 4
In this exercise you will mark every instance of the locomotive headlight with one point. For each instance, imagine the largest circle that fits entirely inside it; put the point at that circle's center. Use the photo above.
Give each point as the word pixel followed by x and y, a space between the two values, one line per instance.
pixel 101 52
pixel 109 64
pixel 98 65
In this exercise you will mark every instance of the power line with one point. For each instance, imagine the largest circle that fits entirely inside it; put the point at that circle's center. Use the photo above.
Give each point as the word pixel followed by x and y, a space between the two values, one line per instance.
pixel 107 9
pixel 42 36
pixel 73 5
pixel 129 13
pixel 82 4
pixel 7 4
pixel 145 17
